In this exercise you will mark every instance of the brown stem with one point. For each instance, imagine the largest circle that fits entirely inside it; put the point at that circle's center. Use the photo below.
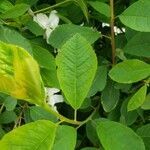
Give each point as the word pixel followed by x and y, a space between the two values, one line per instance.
pixel 112 31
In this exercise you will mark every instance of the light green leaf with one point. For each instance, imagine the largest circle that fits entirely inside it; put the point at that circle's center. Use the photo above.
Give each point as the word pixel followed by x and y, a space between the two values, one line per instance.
pixel 137 99
pixel 110 97
pixel 64 32
pixel 5 5
pixel 144 133
pixel 139 47
pixel 130 71
pixel 115 136
pixel 77 66
pixel 16 11
pixel 13 37
pixel 146 104
pixel 65 138
pixel 38 135
pixel 20 76
pixel 137 16
pixel 101 7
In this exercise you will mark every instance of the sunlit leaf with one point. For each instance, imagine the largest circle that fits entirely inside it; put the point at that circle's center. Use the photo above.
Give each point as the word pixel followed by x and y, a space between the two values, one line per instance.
pixel 77 66
pixel 19 74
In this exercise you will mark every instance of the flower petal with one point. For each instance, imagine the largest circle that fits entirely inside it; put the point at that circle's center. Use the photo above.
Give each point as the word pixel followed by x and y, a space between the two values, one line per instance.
pixel 55 99
pixel 42 20
pixel 48 33
pixel 52 91
pixel 53 19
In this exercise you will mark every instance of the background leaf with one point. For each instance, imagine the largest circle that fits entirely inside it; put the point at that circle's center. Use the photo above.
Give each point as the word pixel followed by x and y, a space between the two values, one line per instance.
pixel 137 16
pixel 64 32
pixel 10 103
pixel 139 45
pixel 101 7
pixel 38 113
pixel 11 36
pixel 16 11
pixel 130 71
pixel 99 82
pixel 125 139
pixel 7 117
pixel 144 133
pixel 109 97
pixel 65 138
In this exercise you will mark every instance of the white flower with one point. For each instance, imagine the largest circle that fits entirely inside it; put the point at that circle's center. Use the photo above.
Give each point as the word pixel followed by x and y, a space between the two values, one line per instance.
pixel 53 97
pixel 47 23
pixel 116 29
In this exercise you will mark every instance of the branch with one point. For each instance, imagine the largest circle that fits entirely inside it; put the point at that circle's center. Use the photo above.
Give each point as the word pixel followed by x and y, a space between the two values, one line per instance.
pixel 112 31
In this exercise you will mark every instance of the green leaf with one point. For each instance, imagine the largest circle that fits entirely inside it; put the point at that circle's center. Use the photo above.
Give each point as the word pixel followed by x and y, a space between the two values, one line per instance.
pixel 139 47
pixel 83 7
pixel 7 117
pixel 146 104
pixel 101 7
pixel 64 32
pixel 10 103
pixel 49 77
pixel 2 132
pixel 130 71
pixel 77 66
pixel 99 82
pixel 127 117
pixel 47 64
pixel 137 16
pixel 20 76
pixel 65 138
pixel 29 2
pixel 110 97
pixel 10 36
pixel 144 133
pixel 138 98
pixel 115 136
pixel 5 5
pixel 91 132
pixel 89 148
pixel 38 113
pixel 38 135
pixel 16 11
pixel 35 28
pixel 44 58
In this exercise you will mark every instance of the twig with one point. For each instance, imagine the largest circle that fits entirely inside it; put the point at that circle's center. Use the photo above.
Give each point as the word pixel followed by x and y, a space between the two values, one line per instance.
pixel 112 31
pixel 18 121
pixel 52 7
